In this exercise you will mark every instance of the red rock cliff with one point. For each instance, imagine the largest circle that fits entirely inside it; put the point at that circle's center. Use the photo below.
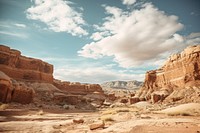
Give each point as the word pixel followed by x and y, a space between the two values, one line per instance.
pixel 11 91
pixel 16 66
pixel 78 88
pixel 180 71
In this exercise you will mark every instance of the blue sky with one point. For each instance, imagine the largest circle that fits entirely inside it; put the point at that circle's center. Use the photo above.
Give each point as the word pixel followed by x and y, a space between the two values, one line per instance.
pixel 95 41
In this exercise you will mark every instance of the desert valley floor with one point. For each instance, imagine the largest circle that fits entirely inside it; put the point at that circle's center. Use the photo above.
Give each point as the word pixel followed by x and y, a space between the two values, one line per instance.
pixel 139 118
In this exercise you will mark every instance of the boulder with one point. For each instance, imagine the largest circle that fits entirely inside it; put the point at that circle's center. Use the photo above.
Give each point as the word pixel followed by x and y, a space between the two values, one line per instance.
pixel 134 100
pixel 106 103
pixel 22 94
pixel 97 124
pixel 132 94
pixel 155 98
pixel 124 100
pixel 78 120
pixel 111 97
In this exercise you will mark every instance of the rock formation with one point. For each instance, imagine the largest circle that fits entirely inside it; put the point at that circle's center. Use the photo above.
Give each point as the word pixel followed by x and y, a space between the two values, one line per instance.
pixel 180 71
pixel 24 80
pixel 77 92
pixel 16 66
pixel 122 84
pixel 12 91
pixel 78 88
pixel 5 88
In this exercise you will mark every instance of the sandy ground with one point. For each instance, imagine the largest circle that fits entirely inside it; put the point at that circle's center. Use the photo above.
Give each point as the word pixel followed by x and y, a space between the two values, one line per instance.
pixel 139 118
pixel 61 121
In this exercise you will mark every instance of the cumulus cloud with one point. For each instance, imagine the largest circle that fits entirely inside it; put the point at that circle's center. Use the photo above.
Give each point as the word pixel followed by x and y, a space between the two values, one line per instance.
pixel 135 37
pixel 58 15
pixel 128 2
pixel 93 74
pixel 98 35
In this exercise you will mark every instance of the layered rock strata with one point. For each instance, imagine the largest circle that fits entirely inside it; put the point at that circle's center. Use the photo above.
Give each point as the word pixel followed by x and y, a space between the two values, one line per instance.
pixel 180 71
pixel 78 88
pixel 24 80
pixel 19 67
pixel 12 91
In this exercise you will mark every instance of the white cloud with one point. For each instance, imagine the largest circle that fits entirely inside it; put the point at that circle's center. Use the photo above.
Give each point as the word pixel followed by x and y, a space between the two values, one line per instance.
pixel 14 29
pixel 93 75
pixel 11 24
pixel 99 35
pixel 96 36
pixel 58 15
pixel 20 25
pixel 128 2
pixel 193 35
pixel 20 35
pixel 192 39
pixel 137 37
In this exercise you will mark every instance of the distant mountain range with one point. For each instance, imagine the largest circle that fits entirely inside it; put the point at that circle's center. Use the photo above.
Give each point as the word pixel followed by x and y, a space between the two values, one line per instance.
pixel 122 84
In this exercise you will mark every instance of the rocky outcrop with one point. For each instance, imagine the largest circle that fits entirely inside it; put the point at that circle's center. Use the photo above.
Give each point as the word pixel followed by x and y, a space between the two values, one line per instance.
pixel 22 93
pixel 5 88
pixel 122 84
pixel 24 80
pixel 78 88
pixel 68 99
pixel 12 91
pixel 134 100
pixel 19 67
pixel 111 97
pixel 180 70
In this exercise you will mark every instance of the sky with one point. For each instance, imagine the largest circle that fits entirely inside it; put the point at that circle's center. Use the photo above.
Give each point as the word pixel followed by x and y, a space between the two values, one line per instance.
pixel 94 41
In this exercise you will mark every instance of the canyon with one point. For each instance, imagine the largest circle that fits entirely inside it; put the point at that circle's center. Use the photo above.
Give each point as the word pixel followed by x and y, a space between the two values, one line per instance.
pixel 25 80
pixel 31 100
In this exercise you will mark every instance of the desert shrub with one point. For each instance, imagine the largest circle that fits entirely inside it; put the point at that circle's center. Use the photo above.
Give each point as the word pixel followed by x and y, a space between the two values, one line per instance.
pixel 40 112
pixel 122 110
pixel 107 118
pixel 4 106
pixel 115 110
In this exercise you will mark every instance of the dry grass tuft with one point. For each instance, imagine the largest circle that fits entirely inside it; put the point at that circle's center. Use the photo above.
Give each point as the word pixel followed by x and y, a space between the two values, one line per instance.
pixel 107 118
pixel 4 106
pixel 123 110
pixel 40 112
pixel 115 110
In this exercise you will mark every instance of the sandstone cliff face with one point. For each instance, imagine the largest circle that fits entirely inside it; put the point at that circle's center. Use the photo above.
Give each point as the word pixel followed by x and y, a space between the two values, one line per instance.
pixel 12 91
pixel 5 88
pixel 20 67
pixel 25 80
pixel 180 70
pixel 78 88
